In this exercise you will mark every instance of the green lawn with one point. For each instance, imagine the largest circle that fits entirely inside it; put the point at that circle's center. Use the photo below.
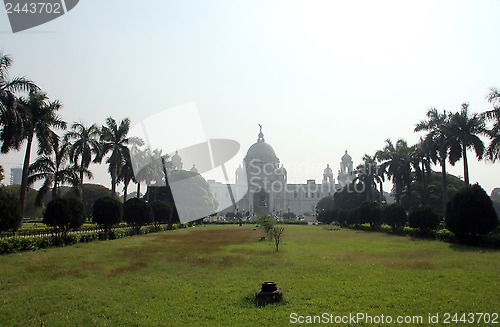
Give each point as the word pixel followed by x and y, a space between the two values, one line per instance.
pixel 209 275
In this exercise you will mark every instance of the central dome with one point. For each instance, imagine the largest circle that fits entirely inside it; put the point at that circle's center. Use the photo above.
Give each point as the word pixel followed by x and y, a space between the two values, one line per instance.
pixel 261 151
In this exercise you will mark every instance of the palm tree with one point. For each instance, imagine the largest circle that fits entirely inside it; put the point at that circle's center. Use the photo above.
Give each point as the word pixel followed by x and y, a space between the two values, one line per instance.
pixel 10 118
pixel 397 164
pixel 368 174
pixel 422 155
pixel 463 130
pixel 55 170
pixel 40 118
pixel 126 175
pixel 493 151
pixel 148 167
pixel 114 140
pixel 436 125
pixel 86 145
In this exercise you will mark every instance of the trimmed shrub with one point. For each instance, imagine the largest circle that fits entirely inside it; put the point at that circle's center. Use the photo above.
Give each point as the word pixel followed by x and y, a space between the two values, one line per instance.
pixel 107 212
pixel 325 217
pixel 162 212
pixel 371 213
pixel 394 215
pixel 470 214
pixel 10 217
pixel 137 212
pixel 58 215
pixel 423 218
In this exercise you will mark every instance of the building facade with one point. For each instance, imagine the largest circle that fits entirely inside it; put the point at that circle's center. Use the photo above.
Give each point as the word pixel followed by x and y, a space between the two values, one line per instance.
pixel 261 185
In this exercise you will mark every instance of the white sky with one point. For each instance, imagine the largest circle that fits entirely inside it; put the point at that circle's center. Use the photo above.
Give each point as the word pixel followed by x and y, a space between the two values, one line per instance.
pixel 321 76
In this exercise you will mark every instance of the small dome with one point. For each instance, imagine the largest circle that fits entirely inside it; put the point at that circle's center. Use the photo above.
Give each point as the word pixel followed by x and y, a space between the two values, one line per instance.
pixel 346 158
pixel 176 157
pixel 328 170
pixel 193 169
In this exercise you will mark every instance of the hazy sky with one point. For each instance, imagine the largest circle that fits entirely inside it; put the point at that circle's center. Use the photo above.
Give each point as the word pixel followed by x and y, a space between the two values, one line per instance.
pixel 321 76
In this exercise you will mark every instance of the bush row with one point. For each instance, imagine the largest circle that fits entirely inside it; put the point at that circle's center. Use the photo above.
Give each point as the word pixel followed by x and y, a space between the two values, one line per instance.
pixel 20 244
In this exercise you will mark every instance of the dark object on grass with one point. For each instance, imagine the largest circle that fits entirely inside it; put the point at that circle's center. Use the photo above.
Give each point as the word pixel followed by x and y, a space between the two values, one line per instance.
pixel 269 293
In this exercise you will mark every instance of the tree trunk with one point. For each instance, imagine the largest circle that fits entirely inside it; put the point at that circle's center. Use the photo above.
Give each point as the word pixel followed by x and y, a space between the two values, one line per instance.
pixel 139 189
pixel 114 173
pixel 409 195
pixel 424 185
pixel 381 192
pixel 466 166
pixel 445 183
pixel 81 171
pixel 125 188
pixel 54 191
pixel 24 178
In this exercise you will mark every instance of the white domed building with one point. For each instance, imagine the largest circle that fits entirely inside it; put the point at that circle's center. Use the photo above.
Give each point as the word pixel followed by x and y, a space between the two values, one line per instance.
pixel 268 189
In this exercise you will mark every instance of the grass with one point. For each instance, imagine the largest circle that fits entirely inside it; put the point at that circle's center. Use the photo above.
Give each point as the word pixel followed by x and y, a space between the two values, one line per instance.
pixel 208 276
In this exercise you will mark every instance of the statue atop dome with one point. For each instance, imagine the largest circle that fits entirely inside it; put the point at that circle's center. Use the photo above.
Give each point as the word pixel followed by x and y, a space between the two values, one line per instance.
pixel 261 135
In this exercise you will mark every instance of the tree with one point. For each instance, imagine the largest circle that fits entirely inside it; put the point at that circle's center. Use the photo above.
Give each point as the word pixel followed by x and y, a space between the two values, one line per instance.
pixel 11 120
pixel 394 215
pixel 397 163
pixel 2 176
pixel 10 210
pixel 493 150
pixel 436 126
pixel 85 147
pixel 55 170
pixel 64 214
pixel 470 214
pixel 423 218
pixel 267 224
pixel 422 155
pixel 107 212
pixel 349 197
pixel 371 213
pixel 40 120
pixel 368 174
pixel 162 212
pixel 148 166
pixel 115 141
pixel 277 234
pixel 90 193
pixel 463 131
pixel 137 213
pixel 126 175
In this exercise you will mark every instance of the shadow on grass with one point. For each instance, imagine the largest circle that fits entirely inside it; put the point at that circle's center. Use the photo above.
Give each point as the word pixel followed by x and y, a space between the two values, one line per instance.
pixel 250 301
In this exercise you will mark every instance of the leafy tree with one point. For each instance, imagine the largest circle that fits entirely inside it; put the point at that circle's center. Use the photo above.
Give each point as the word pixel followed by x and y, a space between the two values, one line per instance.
pixel 288 215
pixel 267 224
pixel 470 213
pixel 1 173
pixel 89 193
pixel 64 214
pixel 107 212
pixel 463 131
pixel 162 212
pixel 371 213
pixel 277 234
pixel 85 147
pixel 137 213
pixel 349 197
pixel 54 169
pixel 11 120
pixel 32 209
pixel 423 218
pixel 325 203
pixel 126 175
pixel 437 136
pixel 326 216
pixel 394 215
pixel 114 140
pixel 40 120
pixel 10 210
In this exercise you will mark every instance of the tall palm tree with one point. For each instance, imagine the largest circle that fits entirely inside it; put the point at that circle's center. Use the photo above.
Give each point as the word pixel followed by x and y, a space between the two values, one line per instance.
pixel 422 154
pixel 397 164
pixel 126 175
pixel 114 140
pixel 368 174
pixel 436 126
pixel 54 169
pixel 493 151
pixel 40 120
pixel 86 146
pixel 11 121
pixel 463 129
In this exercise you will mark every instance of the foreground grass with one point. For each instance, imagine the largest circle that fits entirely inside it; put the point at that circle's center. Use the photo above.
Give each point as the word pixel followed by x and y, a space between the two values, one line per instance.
pixel 209 275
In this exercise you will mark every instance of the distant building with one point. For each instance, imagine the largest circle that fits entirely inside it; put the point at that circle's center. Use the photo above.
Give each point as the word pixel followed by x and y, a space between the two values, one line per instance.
pixel 268 189
pixel 16 175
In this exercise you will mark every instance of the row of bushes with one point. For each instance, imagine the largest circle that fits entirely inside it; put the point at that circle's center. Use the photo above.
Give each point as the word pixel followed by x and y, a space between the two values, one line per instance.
pixel 20 244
